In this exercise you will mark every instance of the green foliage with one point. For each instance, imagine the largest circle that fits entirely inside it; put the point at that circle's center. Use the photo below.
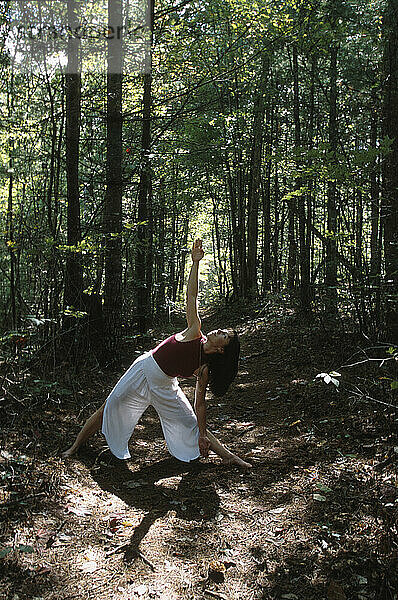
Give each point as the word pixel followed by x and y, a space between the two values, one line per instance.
pixel 207 78
pixel 70 311
pixel 53 388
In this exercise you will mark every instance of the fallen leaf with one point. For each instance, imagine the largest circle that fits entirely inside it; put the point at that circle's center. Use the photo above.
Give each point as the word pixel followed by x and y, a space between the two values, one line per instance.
pixel 42 570
pixel 114 524
pixel 277 511
pixel 128 523
pixel 80 512
pixel 89 566
pixel 319 497
pixel 141 589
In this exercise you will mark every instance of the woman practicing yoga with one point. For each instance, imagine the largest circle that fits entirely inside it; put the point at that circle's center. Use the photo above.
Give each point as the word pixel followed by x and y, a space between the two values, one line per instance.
pixel 152 380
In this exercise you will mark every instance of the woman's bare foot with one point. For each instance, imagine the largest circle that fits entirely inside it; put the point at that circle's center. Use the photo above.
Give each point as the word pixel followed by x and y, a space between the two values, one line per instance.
pixel 235 460
pixel 68 453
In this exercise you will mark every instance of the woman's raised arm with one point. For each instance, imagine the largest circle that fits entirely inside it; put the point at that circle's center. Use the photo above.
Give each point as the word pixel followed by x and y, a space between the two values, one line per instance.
pixel 197 254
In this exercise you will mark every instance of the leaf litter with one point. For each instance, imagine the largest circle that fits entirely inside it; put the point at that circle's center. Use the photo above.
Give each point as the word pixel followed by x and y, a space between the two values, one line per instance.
pixel 313 518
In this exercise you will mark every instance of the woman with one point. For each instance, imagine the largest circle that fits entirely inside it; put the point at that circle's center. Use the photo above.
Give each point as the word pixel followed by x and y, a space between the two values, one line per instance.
pixel 152 380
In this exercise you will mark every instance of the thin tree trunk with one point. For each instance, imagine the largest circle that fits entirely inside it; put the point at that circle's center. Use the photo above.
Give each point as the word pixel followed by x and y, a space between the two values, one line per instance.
pixel 390 169
pixel 160 304
pixel 304 258
pixel 143 264
pixel 292 243
pixel 310 179
pixel 375 245
pixel 234 249
pixel 331 244
pixel 253 195
pixel 9 233
pixel 276 194
pixel 241 210
pixel 183 256
pixel 73 268
pixel 10 244
pixel 375 208
pixel 113 195
pixel 221 275
pixel 266 200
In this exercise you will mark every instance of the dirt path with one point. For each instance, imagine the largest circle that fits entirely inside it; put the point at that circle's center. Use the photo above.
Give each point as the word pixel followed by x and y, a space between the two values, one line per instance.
pixel 313 519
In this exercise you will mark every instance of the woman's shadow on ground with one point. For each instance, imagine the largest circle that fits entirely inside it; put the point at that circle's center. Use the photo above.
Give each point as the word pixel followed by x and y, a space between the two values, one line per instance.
pixel 193 497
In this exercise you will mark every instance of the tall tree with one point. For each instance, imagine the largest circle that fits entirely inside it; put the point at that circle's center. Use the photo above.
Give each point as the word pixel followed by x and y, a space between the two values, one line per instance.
pixel 375 241
pixel 266 199
pixel 143 262
pixel 390 170
pixel 113 194
pixel 73 267
pixel 255 179
pixel 331 243
pixel 304 254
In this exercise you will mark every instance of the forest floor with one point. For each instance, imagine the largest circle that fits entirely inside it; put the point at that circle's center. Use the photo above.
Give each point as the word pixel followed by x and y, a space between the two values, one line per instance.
pixel 315 518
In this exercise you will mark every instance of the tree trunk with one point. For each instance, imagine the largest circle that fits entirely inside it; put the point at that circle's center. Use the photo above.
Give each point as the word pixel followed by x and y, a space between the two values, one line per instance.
pixel 143 266
pixel 221 274
pixel 390 168
pixel 266 268
pixel 304 257
pixel 292 243
pixel 160 300
pixel 253 195
pixel 173 257
pixel 241 210
pixel 10 244
pixel 375 245
pixel 183 255
pixel 113 195
pixel 73 285
pixel 310 179
pixel 276 194
pixel 331 244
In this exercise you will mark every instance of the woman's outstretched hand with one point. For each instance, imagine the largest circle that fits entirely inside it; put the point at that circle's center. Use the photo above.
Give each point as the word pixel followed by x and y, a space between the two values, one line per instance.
pixel 204 445
pixel 197 251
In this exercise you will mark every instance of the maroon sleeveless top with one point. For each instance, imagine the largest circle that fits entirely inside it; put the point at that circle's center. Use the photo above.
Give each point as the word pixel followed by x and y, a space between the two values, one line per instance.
pixel 178 359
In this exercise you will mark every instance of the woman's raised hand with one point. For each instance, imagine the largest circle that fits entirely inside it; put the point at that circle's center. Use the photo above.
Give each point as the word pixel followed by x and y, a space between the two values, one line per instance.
pixel 197 250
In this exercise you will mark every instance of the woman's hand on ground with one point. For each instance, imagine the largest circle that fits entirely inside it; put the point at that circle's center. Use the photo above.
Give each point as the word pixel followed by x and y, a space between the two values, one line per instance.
pixel 197 250
pixel 204 445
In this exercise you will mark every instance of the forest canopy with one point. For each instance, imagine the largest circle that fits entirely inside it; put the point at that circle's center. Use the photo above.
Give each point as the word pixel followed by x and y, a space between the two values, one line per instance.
pixel 267 128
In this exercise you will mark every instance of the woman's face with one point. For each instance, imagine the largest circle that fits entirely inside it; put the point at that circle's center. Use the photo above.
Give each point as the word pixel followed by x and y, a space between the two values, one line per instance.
pixel 219 337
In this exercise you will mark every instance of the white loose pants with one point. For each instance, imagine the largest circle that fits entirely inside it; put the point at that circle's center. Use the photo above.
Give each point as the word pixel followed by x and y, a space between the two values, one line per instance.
pixel 145 384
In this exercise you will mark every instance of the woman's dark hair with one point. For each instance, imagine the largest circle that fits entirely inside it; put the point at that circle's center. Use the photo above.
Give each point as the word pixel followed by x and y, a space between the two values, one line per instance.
pixel 223 367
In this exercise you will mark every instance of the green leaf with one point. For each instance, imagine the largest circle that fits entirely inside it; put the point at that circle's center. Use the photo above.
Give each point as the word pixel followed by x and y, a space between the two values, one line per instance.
pixel 5 551
pixel 394 385
pixel 319 497
pixel 323 488
pixel 26 549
